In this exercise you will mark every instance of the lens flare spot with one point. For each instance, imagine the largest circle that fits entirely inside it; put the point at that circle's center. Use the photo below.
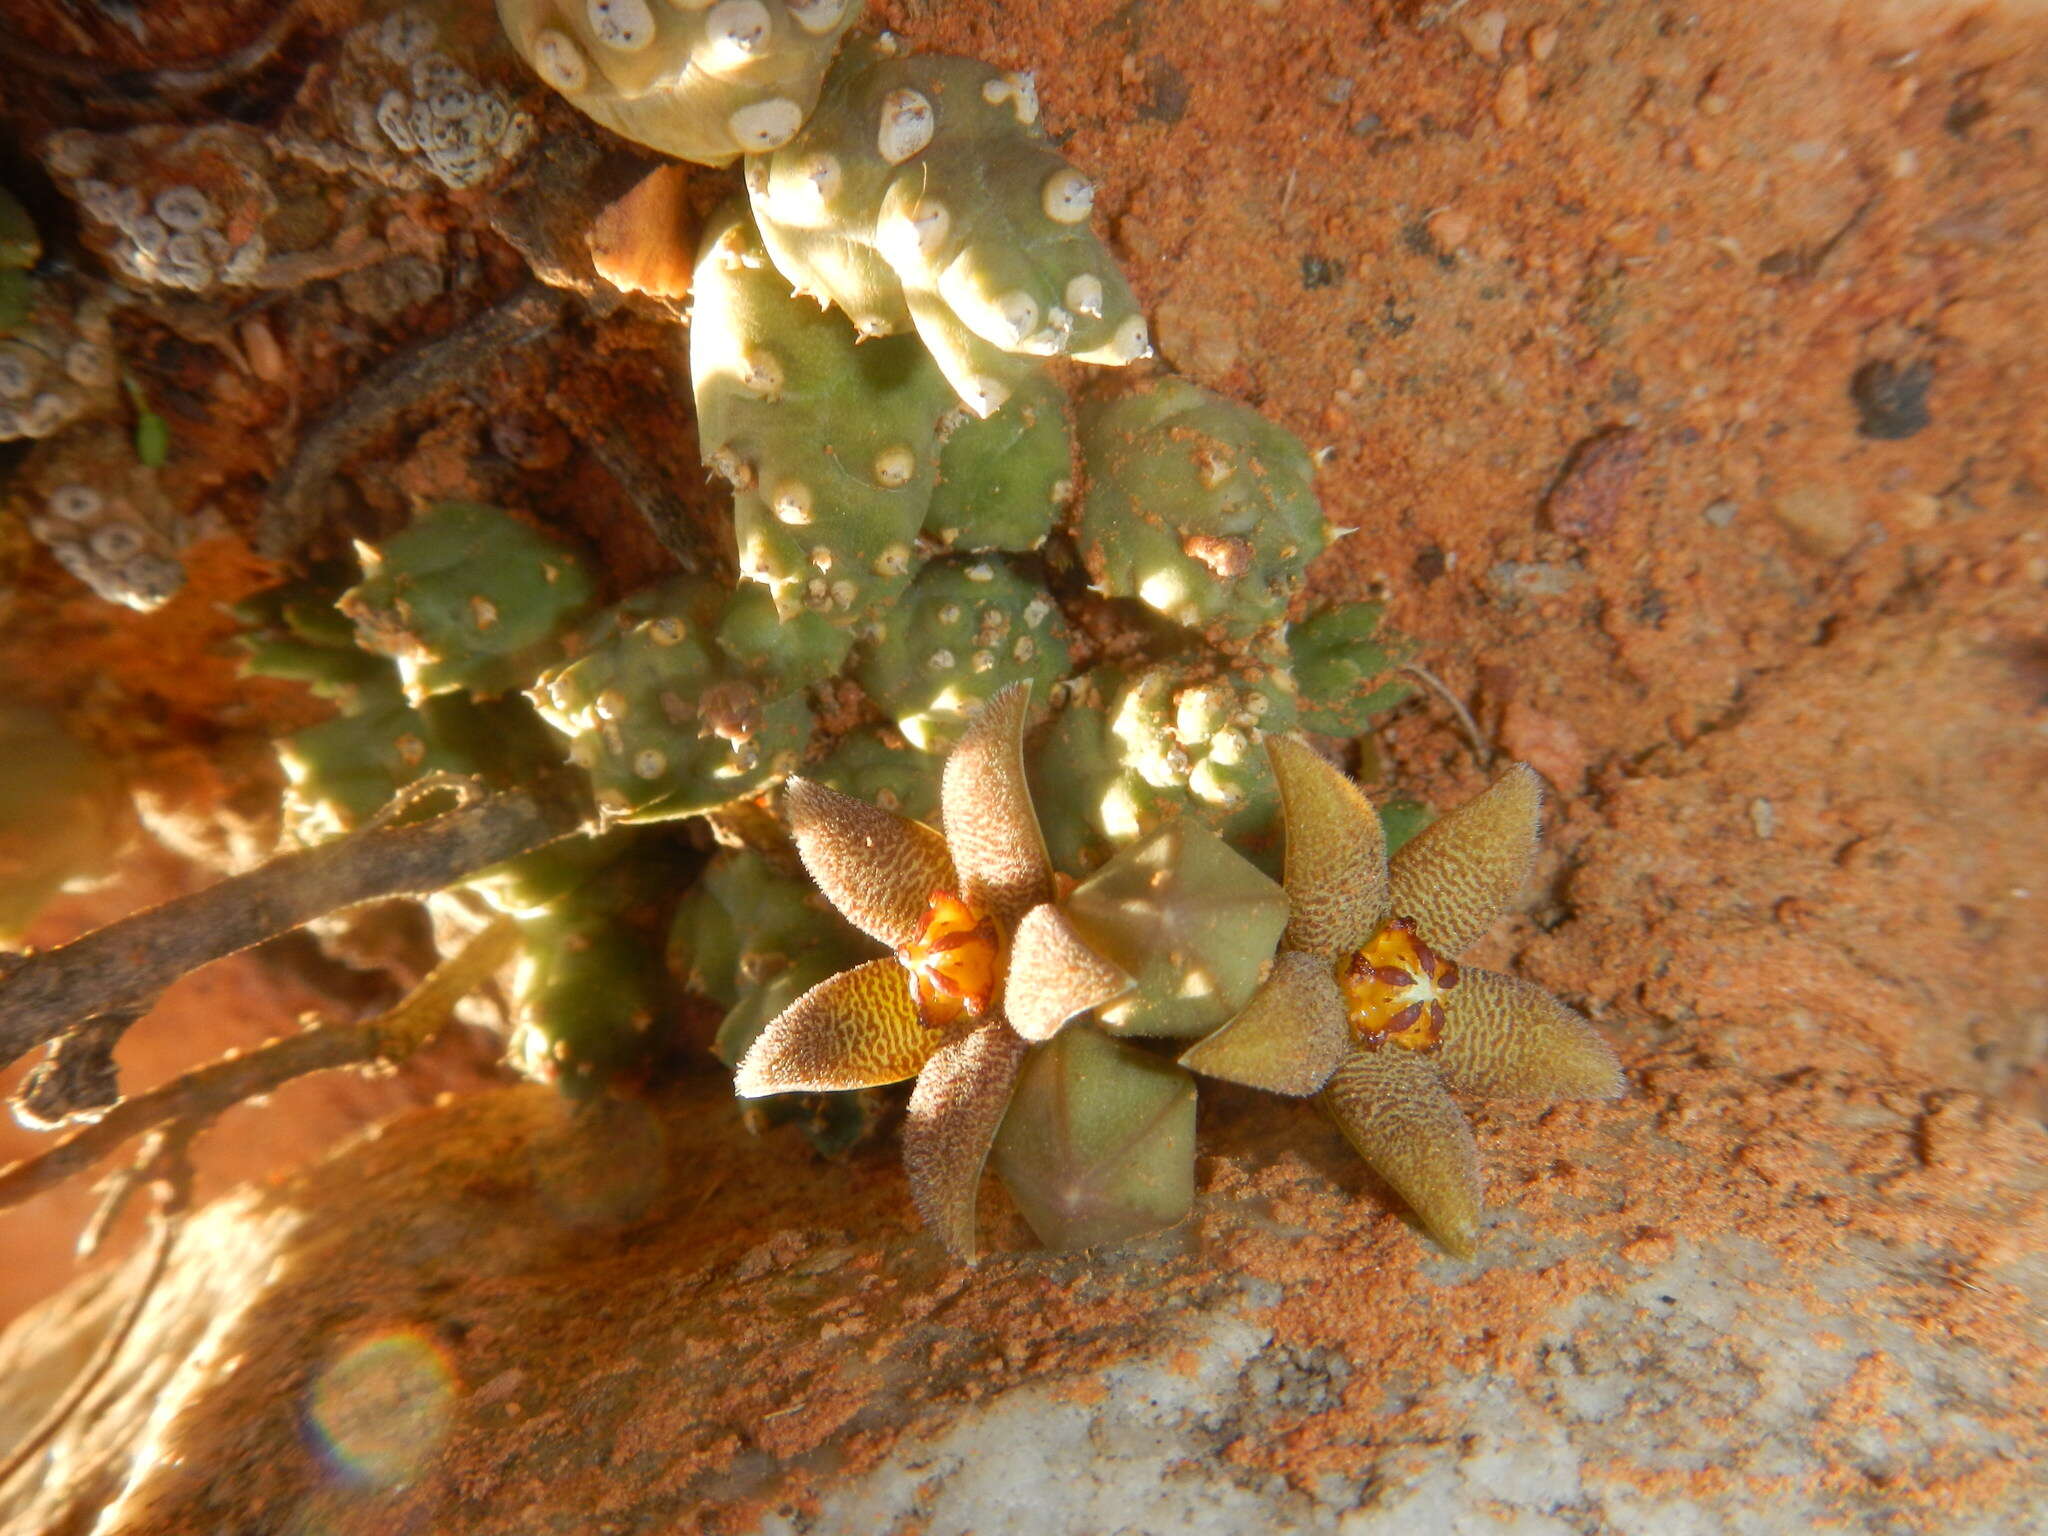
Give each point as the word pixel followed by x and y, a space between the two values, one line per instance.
pixel 381 1408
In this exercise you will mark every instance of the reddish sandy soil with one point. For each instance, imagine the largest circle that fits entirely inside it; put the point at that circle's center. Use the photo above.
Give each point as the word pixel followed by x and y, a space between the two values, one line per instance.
pixel 1593 325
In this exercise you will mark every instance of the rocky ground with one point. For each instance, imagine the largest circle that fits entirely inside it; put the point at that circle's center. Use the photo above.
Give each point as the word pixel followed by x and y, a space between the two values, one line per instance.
pixel 1675 366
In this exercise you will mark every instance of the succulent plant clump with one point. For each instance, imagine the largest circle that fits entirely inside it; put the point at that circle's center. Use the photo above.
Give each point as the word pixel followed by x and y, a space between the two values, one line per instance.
pixel 963 632
pixel 1197 507
pixel 1005 479
pixel 341 773
pixel 1132 751
pixel 830 445
pixel 468 598
pixel 57 362
pixel 1366 1005
pixel 925 193
pixel 102 514
pixel 171 207
pixel 877 765
pixel 591 1000
pixel 397 108
pixel 663 720
pixel 701 81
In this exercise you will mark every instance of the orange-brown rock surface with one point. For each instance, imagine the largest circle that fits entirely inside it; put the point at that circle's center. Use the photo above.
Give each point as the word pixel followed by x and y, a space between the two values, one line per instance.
pixel 1679 370
pixel 1730 1303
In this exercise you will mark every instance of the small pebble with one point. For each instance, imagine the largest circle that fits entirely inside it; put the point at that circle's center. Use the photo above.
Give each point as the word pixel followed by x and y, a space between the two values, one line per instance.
pixel 1511 100
pixel 259 344
pixel 1450 228
pixel 1763 816
pixel 1720 512
pixel 1485 33
pixel 1542 42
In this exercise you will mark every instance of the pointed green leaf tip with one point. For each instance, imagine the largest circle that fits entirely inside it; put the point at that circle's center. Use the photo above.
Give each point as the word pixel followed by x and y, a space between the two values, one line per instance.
pixel 1099 1143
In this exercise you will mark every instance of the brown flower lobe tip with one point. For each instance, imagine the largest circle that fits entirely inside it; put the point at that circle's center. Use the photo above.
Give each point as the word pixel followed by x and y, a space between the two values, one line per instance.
pixel 953 961
pixel 1394 988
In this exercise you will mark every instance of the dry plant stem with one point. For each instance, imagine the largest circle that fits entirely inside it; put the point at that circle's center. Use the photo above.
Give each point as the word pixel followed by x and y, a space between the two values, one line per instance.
pixel 290 511
pixel 1482 749
pixel 149 92
pixel 660 508
pixel 168 1165
pixel 77 1080
pixel 125 966
pixel 188 1102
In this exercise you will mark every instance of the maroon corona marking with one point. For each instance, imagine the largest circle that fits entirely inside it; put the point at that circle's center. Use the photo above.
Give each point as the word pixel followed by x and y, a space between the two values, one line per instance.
pixel 1394 989
pixel 952 961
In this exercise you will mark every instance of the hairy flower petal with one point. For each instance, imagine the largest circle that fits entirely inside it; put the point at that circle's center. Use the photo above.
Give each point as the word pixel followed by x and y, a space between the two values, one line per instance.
pixel 858 1029
pixel 878 868
pixel 1288 1038
pixel 1458 874
pixel 1508 1038
pixel 1053 975
pixel 955 1110
pixel 1392 1107
pixel 991 828
pixel 1336 854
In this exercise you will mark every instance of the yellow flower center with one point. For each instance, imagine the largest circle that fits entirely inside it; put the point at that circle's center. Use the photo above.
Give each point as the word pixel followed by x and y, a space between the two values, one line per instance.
pixel 952 961
pixel 1394 989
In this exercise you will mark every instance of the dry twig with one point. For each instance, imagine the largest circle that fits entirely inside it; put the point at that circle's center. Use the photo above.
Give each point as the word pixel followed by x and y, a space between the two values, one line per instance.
pixel 290 511
pixel 124 967
pixel 1482 749
pixel 187 1103
pixel 149 92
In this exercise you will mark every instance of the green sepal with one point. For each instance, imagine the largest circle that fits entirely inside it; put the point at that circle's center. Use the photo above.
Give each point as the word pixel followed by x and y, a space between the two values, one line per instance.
pixel 1401 818
pixel 1194 924
pixel 1098 1145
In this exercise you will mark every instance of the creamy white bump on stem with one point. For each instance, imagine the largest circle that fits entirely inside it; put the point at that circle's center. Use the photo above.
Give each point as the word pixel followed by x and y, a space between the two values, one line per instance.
pixel 911 239
pixel 559 61
pixel 1020 90
pixel 1132 340
pixel 736 31
pixel 765 125
pixel 185 209
pixel 761 374
pixel 793 503
pixel 626 25
pixel 906 126
pixel 817 17
pixel 894 466
pixel 1068 197
pixel 76 503
pixel 818 179
pixel 1017 313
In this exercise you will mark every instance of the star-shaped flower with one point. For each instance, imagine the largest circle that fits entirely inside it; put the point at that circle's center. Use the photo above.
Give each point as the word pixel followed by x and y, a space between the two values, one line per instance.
pixel 1365 1003
pixel 984 963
